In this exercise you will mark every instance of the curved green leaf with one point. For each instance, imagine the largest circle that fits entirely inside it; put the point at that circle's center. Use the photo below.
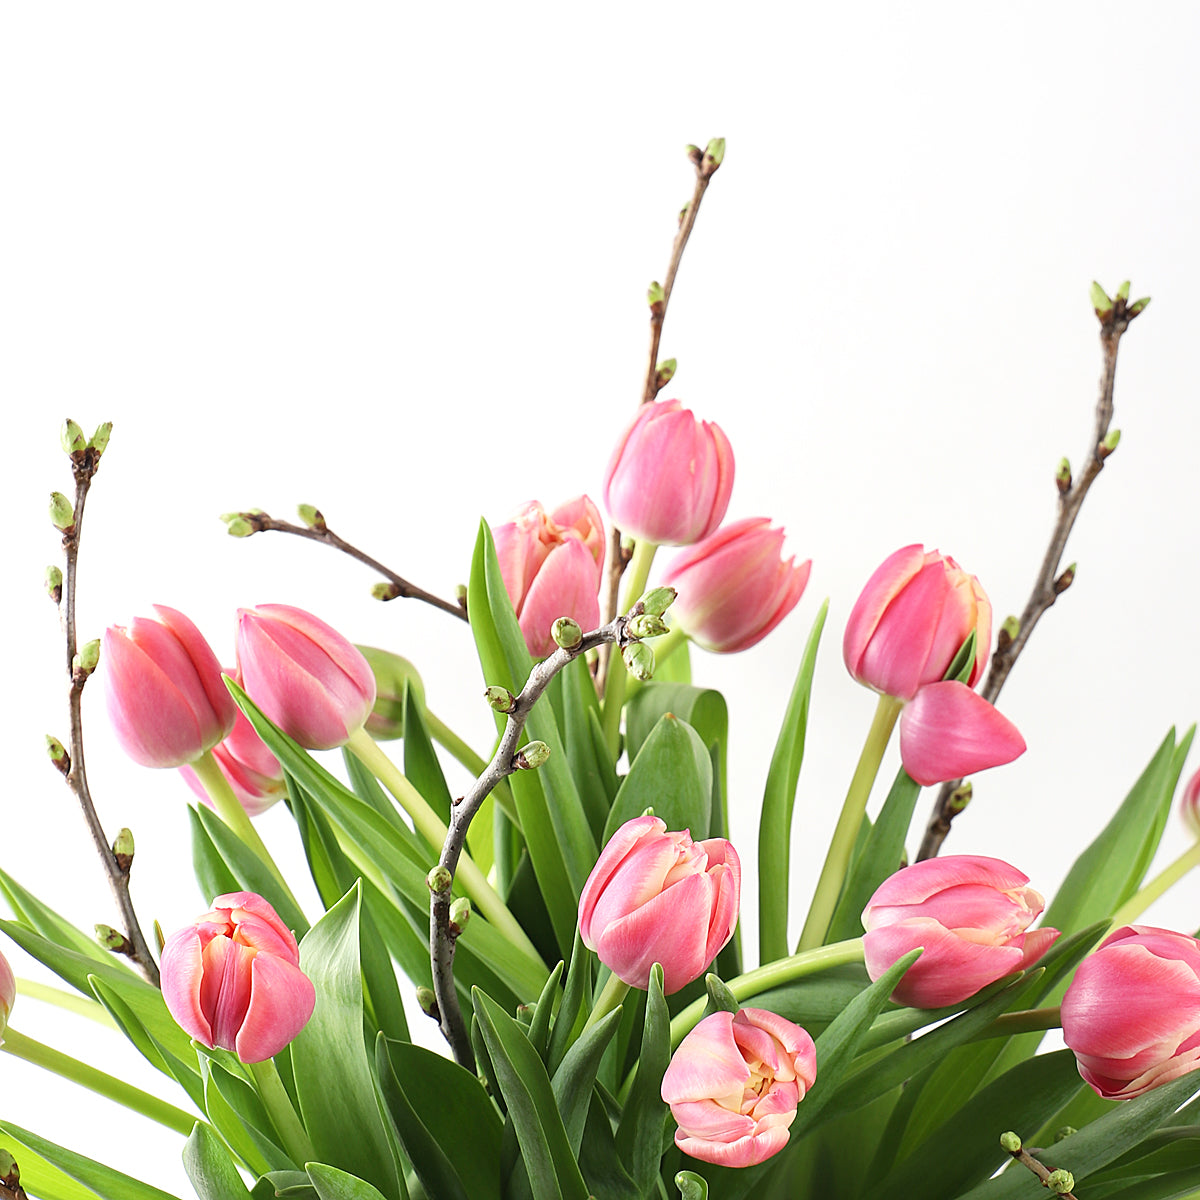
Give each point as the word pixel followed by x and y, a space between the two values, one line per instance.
pixel 332 1184
pixel 691 1186
pixel 210 1168
pixel 640 1132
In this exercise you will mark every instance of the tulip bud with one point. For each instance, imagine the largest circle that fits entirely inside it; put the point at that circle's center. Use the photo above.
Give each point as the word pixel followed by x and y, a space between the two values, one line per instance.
pixel 734 1084
pixel 566 633
pixel 427 1001
pixel 112 939
pixel 532 756
pixel 58 754
pixel 122 849
pixel 392 674
pixel 304 675
pixel 646 625
pixel 99 441
pixel 62 514
pixel 657 896
pixel 1011 1142
pixel 71 437
pixel 968 912
pixel 1062 476
pixel 500 698
pixel 658 600
pixel 439 879
pixel 54 583
pixel 639 660
pixel 8 994
pixel 1112 439
pixel 232 978
pixel 311 516
pixel 460 914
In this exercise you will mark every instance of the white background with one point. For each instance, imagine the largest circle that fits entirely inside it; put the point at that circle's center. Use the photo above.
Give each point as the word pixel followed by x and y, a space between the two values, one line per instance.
pixel 391 260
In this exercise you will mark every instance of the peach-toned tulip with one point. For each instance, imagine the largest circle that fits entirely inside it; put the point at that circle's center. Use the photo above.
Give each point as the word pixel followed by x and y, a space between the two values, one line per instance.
pixel 968 912
pixel 670 476
pixel 303 674
pixel 551 567
pixel 735 587
pixel 1132 1012
pixel 734 1083
pixel 658 897
pixel 910 620
pixel 164 691
pixel 1189 807
pixel 232 978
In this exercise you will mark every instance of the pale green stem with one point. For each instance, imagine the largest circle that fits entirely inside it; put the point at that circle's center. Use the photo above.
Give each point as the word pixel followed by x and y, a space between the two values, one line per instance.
pixel 279 1108
pixel 71 1001
pixel 837 859
pixel 230 810
pixel 614 686
pixel 611 994
pixel 447 738
pixel 20 1046
pixel 1028 1020
pixel 431 827
pixel 1140 901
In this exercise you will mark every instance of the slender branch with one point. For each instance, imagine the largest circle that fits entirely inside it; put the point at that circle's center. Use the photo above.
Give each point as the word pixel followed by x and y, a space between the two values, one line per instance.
pixel 706 163
pixel 244 524
pixel 1061 1183
pixel 443 933
pixel 1050 582
pixel 84 464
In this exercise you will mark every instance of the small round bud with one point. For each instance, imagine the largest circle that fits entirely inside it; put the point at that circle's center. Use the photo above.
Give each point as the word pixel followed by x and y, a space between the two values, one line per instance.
pixel 237 525
pixel 460 914
pixel 1060 1182
pixel 112 939
pixel 531 756
pixel 665 372
pixel 122 848
pixel 460 594
pixel 62 515
pixel 54 583
pixel 714 156
pixel 656 297
pixel 99 442
pixel 646 625
pixel 58 754
pixel 961 797
pixel 639 660
pixel 71 437
pixel 566 633
pixel 384 590
pixel 311 516
pixel 1065 1132
pixel 658 600
pixel 439 879
pixel 1112 440
pixel 1100 300
pixel 694 153
pixel 428 1002
pixel 1065 580
pixel 1011 627
pixel 500 698
pixel 1010 1142
pixel 1062 477
pixel 89 656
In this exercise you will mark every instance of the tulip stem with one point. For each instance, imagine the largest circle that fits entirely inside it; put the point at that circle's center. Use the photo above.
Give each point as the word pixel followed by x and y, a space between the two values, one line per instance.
pixel 431 827
pixel 1140 901
pixel 80 1005
pixel 279 1107
pixel 614 685
pixel 611 995
pixel 20 1046
pixel 841 848
pixel 449 740
pixel 229 808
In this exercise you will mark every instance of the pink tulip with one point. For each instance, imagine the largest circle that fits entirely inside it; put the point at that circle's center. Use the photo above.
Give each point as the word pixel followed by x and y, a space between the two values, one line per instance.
pixel 250 769
pixel 658 897
pixel 232 978
pixel 912 617
pixel 551 568
pixel 1132 1012
pixel 8 994
pixel 1189 808
pixel 304 675
pixel 734 586
pixel 164 691
pixel 947 731
pixel 734 1083
pixel 969 913
pixel 670 476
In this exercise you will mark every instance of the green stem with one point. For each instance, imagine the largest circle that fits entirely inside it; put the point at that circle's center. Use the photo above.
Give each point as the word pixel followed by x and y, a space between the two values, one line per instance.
pixel 20 1046
pixel 614 686
pixel 230 810
pixel 837 859
pixel 1028 1020
pixel 80 1005
pixel 448 739
pixel 279 1107
pixel 1140 901
pixel 431 827
pixel 611 994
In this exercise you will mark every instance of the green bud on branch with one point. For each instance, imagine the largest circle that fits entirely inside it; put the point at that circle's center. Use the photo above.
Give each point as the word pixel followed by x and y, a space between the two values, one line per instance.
pixel 1010 1142
pixel 531 756
pixel 1060 1182
pixel 1008 632
pixel 99 442
pixel 658 600
pixel 1100 300
pixel 460 914
pixel 384 591
pixel 694 153
pixel 1112 439
pixel 639 660
pixel 1065 580
pixel 1138 306
pixel 71 438
pixel 58 754
pixel 961 797
pixel 112 939
pixel 714 156
pixel 122 849
pixel 646 625
pixel 428 1002
pixel 54 583
pixel 62 515
pixel 311 516
pixel 1065 1132
pixel 236 525
pixel 88 657
pixel 1062 477
pixel 664 373
pixel 566 633
pixel 656 298
pixel 1122 293
pixel 500 698
pixel 439 879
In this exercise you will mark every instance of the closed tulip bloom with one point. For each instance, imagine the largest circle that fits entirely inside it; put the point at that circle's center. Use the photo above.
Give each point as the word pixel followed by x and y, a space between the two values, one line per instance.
pixel 232 978
pixel 163 688
pixel 658 897
pixel 734 1083
pixel 1189 808
pixel 670 476
pixel 910 621
pixel 735 586
pixel 1132 1012
pixel 303 674
pixel 8 994
pixel 970 914
pixel 551 564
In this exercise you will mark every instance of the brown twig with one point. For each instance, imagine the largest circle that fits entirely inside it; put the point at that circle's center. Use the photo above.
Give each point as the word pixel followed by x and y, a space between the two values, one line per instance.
pixel 1115 316
pixel 244 524
pixel 706 163
pixel 85 461
pixel 1060 1182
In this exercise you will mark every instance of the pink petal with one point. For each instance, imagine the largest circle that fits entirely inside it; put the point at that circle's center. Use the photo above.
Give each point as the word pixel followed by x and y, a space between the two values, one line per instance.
pixel 564 587
pixel 892 574
pixel 746 1152
pixel 922 880
pixel 281 1001
pixel 615 851
pixel 182 969
pixel 707 1063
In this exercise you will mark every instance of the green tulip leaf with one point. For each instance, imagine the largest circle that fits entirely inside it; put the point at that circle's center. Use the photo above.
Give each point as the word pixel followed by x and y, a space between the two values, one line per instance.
pixel 332 1184
pixel 210 1168
pixel 640 1133
pixel 577 986
pixel 691 1186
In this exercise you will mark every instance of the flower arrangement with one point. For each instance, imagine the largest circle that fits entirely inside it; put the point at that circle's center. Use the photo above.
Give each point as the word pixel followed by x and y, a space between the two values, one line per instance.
pixel 570 921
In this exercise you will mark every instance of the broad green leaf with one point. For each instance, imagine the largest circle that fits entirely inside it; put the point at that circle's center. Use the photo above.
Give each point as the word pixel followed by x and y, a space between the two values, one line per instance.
pixel 553 1171
pixel 691 1186
pixel 1174 1148
pixel 338 1107
pixel 210 1168
pixel 640 1133
pixel 213 876
pixel 598 1158
pixel 332 1184
pixel 671 774
pixel 779 798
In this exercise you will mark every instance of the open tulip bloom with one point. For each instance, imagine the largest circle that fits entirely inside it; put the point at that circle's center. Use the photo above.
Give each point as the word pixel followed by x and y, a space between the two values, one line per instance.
pixel 561 896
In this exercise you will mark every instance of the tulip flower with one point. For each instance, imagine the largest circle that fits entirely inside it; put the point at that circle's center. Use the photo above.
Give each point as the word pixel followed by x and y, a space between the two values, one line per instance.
pixel 658 897
pixel 669 479
pixel 968 912
pixel 910 621
pixel 1132 1012
pixel 1189 807
pixel 551 567
pixel 164 691
pixel 232 978
pixel 8 994
pixel 735 587
pixel 734 1083
pixel 250 769
pixel 304 675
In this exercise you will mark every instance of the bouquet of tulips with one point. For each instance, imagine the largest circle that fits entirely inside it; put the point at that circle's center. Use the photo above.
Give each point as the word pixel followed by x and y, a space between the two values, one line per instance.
pixel 570 922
